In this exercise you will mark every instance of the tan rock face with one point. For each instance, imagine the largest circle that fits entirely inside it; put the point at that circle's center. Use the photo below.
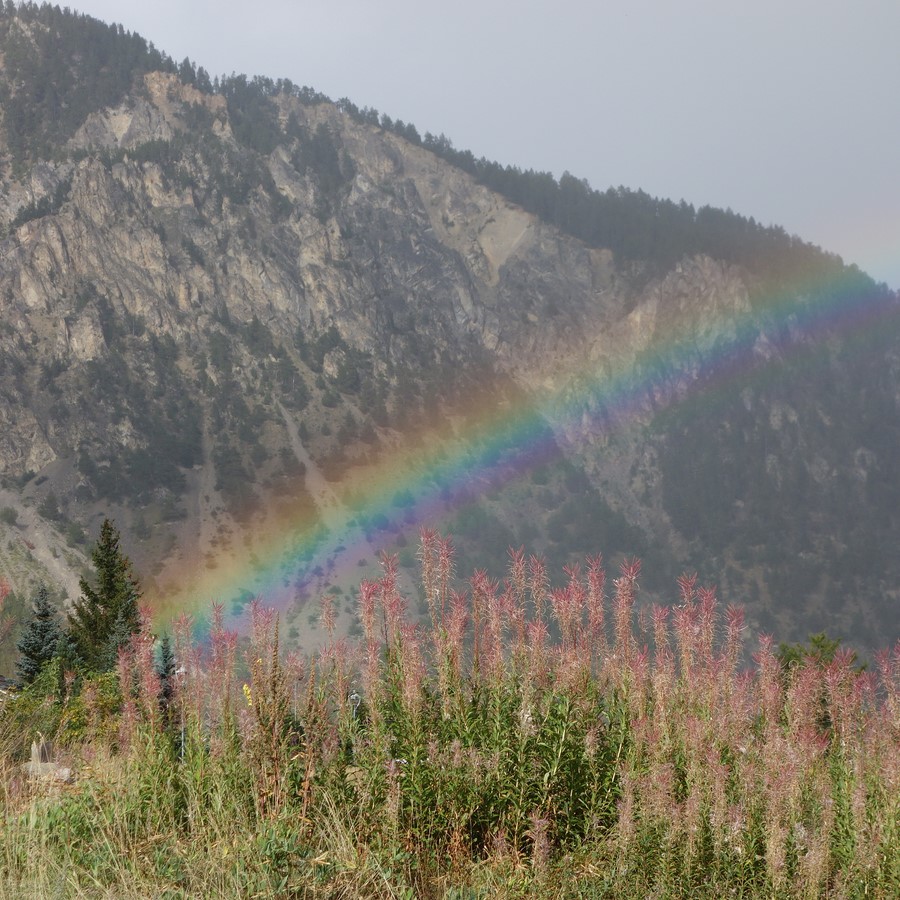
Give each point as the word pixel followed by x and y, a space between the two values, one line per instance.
pixel 173 289
pixel 417 247
pixel 157 116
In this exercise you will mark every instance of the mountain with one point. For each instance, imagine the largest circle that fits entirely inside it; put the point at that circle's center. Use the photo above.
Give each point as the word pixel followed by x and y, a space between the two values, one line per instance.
pixel 270 335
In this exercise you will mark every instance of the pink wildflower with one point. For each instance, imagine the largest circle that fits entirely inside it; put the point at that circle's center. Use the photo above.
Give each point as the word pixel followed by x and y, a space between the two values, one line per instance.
pixel 537 584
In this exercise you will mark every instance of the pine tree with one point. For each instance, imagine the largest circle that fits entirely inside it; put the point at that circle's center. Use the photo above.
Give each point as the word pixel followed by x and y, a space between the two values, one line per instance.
pixel 39 641
pixel 104 619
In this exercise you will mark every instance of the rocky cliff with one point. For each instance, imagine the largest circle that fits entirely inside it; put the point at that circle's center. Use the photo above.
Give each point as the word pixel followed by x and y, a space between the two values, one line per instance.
pixel 202 323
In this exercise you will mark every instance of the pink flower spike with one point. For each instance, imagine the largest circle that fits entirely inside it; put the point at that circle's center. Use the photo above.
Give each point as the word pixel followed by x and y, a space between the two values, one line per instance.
pixel 686 584
pixel 537 584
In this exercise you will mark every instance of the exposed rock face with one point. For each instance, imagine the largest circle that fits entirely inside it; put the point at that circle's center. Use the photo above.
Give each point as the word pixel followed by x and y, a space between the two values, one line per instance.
pixel 183 285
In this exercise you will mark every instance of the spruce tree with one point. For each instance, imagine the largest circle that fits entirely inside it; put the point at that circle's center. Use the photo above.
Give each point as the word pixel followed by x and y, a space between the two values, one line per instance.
pixel 104 618
pixel 39 641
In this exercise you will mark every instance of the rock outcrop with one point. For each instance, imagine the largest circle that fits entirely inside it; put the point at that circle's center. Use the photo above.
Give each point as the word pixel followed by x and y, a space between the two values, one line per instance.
pixel 180 285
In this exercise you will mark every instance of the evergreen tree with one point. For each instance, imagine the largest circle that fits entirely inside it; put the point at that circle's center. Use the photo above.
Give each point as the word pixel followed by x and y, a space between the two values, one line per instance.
pixel 104 619
pixel 39 641
pixel 49 508
pixel 821 649
pixel 69 662
pixel 165 668
pixel 67 653
pixel 119 636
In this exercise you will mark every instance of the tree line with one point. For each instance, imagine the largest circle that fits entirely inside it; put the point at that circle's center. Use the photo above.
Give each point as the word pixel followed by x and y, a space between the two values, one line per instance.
pixel 74 65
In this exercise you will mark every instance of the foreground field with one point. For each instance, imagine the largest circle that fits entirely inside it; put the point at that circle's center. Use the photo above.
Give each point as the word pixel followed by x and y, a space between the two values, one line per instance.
pixel 530 742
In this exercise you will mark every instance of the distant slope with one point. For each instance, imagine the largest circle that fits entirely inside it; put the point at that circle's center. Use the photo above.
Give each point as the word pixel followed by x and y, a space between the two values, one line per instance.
pixel 212 289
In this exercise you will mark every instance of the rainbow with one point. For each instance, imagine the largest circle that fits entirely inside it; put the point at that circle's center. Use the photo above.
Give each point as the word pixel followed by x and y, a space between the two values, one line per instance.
pixel 433 473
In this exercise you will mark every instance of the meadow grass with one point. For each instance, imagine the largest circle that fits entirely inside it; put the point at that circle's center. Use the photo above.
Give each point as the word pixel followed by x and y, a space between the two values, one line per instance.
pixel 527 740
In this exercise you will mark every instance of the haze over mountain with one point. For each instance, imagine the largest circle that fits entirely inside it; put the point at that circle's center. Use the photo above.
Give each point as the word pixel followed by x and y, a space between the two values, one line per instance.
pixel 271 335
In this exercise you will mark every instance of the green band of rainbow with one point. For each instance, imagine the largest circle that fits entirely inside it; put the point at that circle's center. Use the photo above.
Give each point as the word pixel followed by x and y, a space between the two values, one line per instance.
pixel 505 442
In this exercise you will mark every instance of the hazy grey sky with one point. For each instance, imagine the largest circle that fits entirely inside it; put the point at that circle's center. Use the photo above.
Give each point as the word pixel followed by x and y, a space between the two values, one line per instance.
pixel 785 110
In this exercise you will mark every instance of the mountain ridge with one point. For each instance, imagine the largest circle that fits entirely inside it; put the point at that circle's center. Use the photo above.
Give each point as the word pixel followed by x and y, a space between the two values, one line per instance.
pixel 190 266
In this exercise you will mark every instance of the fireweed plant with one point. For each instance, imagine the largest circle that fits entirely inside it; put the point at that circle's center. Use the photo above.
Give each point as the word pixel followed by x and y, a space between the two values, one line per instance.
pixel 525 740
